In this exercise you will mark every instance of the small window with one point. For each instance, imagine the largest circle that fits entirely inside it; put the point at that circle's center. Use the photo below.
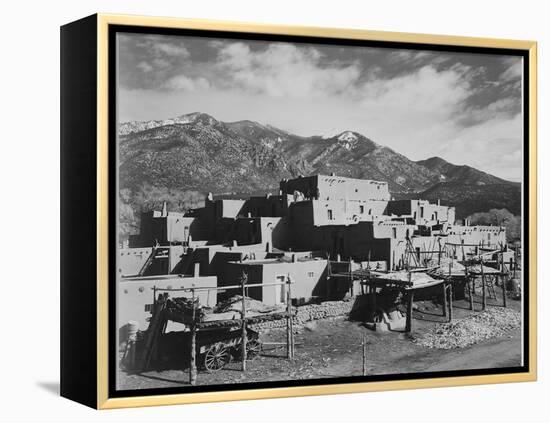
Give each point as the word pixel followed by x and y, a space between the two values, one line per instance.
pixel 361 209
pixel 394 231
pixel 310 274
pixel 421 212
pixel 329 214
pixel 370 211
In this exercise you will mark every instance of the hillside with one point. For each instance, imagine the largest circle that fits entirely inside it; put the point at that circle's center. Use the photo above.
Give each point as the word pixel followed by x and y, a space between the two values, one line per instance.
pixel 469 199
pixel 467 175
pixel 196 153
pixel 354 155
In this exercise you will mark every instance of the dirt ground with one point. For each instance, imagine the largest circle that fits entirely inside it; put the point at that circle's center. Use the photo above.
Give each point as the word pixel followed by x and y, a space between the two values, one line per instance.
pixel 333 348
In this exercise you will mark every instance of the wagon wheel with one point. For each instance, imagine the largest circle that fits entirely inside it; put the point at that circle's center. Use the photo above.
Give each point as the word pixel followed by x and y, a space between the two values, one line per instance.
pixel 216 357
pixel 253 348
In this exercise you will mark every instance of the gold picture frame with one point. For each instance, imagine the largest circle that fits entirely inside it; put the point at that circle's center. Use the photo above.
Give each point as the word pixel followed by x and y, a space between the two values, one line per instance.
pixel 103 400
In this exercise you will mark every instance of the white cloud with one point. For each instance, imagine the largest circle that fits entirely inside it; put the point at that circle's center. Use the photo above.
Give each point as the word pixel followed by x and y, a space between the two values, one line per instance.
pixel 145 67
pixel 426 91
pixel 514 71
pixel 185 83
pixel 170 49
pixel 283 70
pixel 494 145
pixel 426 109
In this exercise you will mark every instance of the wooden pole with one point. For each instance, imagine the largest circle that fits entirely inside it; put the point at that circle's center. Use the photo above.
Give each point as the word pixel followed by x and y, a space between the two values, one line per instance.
pixel 364 354
pixel 409 325
pixel 445 299
pixel 372 293
pixel 450 302
pixel 243 323
pixel 484 288
pixel 502 280
pixel 290 319
pixel 504 299
pixel 350 279
pixel 470 289
pixel 289 323
pixel 193 363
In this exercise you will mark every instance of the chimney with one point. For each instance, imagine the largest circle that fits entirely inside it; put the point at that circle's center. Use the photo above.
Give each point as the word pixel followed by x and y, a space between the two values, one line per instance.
pixel 164 209
pixel 197 268
pixel 438 202
pixel 332 174
pixel 268 247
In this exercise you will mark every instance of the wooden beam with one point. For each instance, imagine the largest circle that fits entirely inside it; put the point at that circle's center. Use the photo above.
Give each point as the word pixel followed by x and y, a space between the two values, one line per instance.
pixel 450 302
pixel 193 358
pixel 484 289
pixel 288 325
pixel 243 323
pixel 364 354
pixel 409 324
pixel 445 300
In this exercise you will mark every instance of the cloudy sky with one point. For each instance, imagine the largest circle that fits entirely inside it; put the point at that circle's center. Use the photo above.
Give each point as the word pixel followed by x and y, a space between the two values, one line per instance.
pixel 465 108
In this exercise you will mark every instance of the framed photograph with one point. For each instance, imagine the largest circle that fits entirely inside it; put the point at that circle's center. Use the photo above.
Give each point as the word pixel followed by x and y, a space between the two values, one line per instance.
pixel 255 211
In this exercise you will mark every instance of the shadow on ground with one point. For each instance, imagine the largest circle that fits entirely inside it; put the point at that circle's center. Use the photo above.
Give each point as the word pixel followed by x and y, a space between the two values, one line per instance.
pixel 50 387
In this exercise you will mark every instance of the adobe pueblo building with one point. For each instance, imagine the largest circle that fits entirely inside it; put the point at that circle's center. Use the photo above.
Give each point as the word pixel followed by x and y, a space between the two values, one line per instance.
pixel 320 231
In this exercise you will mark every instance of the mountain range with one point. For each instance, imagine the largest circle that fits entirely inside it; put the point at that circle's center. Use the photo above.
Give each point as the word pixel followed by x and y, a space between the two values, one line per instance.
pixel 196 152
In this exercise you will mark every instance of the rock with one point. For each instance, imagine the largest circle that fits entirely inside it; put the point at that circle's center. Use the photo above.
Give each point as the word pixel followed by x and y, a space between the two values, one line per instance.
pixel 311 326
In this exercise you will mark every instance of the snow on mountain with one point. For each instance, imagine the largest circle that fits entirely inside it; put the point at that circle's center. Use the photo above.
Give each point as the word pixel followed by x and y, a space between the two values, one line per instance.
pixel 348 140
pixel 126 128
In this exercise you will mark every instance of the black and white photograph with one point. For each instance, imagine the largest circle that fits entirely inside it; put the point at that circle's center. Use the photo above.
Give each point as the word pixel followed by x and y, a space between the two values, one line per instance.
pixel 294 211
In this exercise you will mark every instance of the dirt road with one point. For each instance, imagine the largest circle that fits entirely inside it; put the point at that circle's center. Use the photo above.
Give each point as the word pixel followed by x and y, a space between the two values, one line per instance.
pixel 332 348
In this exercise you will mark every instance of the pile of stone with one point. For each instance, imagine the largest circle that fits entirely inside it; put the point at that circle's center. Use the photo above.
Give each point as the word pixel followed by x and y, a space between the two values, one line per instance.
pixel 235 303
pixel 310 312
pixel 492 323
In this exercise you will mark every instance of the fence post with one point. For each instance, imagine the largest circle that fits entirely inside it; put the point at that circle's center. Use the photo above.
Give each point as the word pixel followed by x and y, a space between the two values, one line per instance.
pixel 289 340
pixel 484 288
pixel 193 364
pixel 409 324
pixel 364 354
pixel 243 328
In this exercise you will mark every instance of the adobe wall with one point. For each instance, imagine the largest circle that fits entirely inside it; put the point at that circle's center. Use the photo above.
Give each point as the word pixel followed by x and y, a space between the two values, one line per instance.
pixel 134 294
pixel 337 187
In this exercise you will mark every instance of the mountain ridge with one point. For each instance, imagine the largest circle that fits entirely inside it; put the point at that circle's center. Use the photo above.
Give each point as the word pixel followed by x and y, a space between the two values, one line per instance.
pixel 195 151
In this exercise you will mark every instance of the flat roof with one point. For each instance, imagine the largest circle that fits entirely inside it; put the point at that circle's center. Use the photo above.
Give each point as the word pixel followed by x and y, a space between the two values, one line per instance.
pixel 279 260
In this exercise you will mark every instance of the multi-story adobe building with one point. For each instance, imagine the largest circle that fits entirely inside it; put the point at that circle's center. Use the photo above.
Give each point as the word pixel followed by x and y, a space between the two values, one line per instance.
pixel 317 219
